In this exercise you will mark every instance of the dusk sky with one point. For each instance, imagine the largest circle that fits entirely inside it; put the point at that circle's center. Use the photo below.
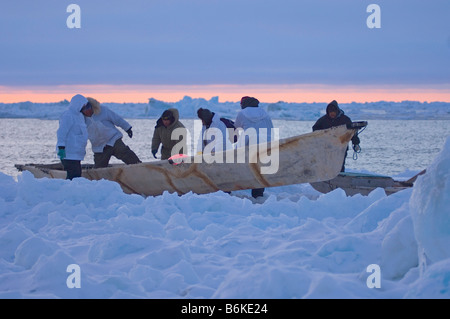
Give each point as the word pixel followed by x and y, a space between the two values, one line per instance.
pixel 198 46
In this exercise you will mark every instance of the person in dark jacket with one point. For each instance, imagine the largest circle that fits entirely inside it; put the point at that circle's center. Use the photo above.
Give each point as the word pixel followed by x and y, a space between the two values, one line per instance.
pixel 166 126
pixel 335 117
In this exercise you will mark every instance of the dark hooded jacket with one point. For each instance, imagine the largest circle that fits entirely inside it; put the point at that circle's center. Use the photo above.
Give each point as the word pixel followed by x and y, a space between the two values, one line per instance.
pixel 163 135
pixel 341 119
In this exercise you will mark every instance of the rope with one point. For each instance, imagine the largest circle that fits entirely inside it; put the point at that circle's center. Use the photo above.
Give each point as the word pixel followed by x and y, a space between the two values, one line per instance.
pixel 356 148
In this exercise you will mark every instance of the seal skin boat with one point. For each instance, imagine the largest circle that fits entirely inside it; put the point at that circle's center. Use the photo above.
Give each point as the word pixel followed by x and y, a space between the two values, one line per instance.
pixel 307 158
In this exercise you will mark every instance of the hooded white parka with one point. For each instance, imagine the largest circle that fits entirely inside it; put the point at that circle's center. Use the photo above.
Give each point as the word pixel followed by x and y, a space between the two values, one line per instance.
pixel 72 132
pixel 256 118
pixel 216 129
pixel 102 129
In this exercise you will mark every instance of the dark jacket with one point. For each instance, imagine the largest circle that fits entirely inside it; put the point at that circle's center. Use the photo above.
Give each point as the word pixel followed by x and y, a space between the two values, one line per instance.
pixel 341 119
pixel 163 135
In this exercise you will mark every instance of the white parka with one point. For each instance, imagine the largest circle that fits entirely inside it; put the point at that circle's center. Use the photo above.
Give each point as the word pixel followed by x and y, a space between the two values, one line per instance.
pixel 217 128
pixel 72 132
pixel 256 118
pixel 102 129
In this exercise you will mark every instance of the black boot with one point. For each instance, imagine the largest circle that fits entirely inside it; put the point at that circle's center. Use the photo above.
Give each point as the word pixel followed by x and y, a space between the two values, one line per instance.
pixel 257 192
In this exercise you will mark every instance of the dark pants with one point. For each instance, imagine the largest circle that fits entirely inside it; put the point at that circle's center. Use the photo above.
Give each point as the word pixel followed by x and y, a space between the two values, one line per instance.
pixel 72 167
pixel 257 192
pixel 343 164
pixel 119 150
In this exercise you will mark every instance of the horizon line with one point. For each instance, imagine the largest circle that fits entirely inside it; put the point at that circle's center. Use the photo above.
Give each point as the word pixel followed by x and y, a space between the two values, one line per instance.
pixel 265 93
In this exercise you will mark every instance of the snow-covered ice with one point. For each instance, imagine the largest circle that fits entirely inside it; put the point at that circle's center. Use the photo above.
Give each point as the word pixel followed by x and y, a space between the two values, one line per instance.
pixel 295 243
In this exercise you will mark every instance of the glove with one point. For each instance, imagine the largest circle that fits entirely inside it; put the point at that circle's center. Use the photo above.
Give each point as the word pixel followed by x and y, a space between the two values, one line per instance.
pixel 130 132
pixel 62 153
pixel 154 153
pixel 355 140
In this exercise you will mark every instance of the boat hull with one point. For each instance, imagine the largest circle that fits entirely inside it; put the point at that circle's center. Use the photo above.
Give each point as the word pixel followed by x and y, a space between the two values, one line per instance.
pixel 308 158
pixel 364 184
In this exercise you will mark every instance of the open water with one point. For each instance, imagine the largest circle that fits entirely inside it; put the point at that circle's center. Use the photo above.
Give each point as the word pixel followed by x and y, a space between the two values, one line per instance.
pixel 389 147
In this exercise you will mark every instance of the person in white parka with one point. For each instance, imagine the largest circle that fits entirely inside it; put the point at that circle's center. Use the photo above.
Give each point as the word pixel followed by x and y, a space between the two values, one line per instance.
pixel 105 138
pixel 214 133
pixel 72 136
pixel 256 125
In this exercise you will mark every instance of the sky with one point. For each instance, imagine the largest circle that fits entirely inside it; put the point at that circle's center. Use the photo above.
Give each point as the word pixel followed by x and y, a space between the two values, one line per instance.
pixel 287 50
